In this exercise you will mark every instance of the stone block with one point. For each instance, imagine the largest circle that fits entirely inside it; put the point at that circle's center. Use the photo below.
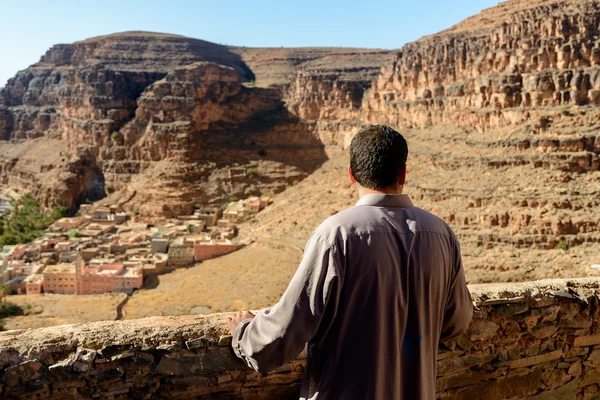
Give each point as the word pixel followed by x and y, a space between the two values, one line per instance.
pixel 464 343
pixel 462 379
pixel 576 324
pixel 482 330
pixel 189 380
pixel 223 379
pixel 591 376
pixel 199 343
pixel 529 361
pixel 24 373
pixel 555 378
pixel 577 352
pixel 544 331
pixel 533 350
pixel 519 385
pixel 589 340
pixel 122 356
pixel 576 369
pixel 452 366
pixel 568 391
pixel 83 359
pixel 215 360
pixel 62 370
pixel 594 357
pixel 508 310
pixel 113 349
pixel 443 355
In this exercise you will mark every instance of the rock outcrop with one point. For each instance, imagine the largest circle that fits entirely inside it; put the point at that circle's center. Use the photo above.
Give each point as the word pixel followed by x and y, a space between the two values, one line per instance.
pixel 150 111
pixel 496 68
pixel 127 101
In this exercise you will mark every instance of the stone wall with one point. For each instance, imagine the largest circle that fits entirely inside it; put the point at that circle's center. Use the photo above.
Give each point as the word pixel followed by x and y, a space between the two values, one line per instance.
pixel 535 340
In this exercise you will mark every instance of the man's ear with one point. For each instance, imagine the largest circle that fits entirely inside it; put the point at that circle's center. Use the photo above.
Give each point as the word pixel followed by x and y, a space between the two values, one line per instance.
pixel 350 174
pixel 402 178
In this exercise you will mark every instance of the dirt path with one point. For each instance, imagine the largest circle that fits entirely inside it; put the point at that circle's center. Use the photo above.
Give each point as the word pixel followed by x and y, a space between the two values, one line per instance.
pixel 120 306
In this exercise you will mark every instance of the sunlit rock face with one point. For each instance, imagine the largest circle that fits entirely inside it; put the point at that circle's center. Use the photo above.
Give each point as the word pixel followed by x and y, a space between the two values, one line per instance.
pixel 126 103
pixel 496 68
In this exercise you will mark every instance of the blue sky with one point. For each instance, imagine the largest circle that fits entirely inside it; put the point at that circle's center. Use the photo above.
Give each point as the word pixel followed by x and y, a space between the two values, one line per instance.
pixel 30 27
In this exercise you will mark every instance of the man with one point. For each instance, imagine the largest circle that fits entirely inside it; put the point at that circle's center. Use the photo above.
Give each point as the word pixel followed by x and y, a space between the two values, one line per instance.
pixel 379 286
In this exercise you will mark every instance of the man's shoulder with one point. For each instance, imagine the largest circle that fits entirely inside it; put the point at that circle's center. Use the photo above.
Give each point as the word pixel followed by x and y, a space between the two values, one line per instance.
pixel 338 225
pixel 366 218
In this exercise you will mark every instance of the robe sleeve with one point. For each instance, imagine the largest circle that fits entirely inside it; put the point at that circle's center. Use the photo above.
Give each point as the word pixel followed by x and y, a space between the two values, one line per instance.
pixel 459 306
pixel 278 335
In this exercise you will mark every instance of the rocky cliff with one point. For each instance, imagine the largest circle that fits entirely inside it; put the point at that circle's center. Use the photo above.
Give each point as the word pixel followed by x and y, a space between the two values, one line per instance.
pixel 124 103
pixel 325 86
pixel 501 66
pixel 511 93
pixel 144 112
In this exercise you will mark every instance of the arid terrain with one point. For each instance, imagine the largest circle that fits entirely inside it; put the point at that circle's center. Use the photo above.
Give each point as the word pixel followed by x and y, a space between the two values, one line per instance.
pixel 501 113
pixel 54 309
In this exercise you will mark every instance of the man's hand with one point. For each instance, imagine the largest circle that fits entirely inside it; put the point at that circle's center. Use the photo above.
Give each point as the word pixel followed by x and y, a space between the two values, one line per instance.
pixel 237 318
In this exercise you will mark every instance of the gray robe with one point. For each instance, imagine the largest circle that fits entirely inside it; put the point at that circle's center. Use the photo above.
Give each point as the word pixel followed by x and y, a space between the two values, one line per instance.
pixel 379 286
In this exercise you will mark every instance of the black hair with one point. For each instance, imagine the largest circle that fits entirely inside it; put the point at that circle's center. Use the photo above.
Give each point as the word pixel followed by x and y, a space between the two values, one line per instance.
pixel 377 156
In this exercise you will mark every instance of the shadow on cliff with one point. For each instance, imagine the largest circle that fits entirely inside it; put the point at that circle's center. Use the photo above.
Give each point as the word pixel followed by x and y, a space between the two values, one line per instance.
pixel 273 134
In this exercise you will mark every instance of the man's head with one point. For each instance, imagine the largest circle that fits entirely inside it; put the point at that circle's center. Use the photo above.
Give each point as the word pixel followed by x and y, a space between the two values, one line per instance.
pixel 378 159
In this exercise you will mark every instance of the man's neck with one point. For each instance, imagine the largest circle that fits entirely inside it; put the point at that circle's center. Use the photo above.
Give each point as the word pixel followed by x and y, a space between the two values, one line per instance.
pixel 363 191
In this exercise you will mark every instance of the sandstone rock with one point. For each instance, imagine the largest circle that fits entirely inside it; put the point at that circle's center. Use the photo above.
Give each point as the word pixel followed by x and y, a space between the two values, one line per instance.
pixel 589 340
pixel 482 330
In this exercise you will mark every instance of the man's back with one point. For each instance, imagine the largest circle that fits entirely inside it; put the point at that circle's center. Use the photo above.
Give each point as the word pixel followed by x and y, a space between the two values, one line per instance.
pixel 398 265
pixel 377 285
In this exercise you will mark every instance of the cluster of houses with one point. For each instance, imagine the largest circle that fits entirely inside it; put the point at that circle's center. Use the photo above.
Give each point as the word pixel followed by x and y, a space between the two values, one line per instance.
pixel 102 250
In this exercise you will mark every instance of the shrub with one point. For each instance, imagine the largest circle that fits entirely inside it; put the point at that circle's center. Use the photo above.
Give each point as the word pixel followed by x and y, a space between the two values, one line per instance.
pixel 136 212
pixel 9 309
pixel 73 233
pixel 562 245
pixel 190 228
pixel 198 206
pixel 252 172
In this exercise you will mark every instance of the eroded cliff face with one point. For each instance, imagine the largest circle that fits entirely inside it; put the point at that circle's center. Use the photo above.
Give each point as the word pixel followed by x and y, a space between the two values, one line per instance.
pixel 148 108
pixel 324 86
pixel 500 67
pixel 46 169
pixel 122 103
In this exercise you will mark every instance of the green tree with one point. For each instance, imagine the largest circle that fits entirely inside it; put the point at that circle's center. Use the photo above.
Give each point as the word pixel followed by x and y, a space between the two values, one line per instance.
pixel 26 221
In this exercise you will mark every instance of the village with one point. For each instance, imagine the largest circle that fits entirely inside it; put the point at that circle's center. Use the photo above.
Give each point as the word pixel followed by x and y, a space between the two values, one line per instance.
pixel 104 250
